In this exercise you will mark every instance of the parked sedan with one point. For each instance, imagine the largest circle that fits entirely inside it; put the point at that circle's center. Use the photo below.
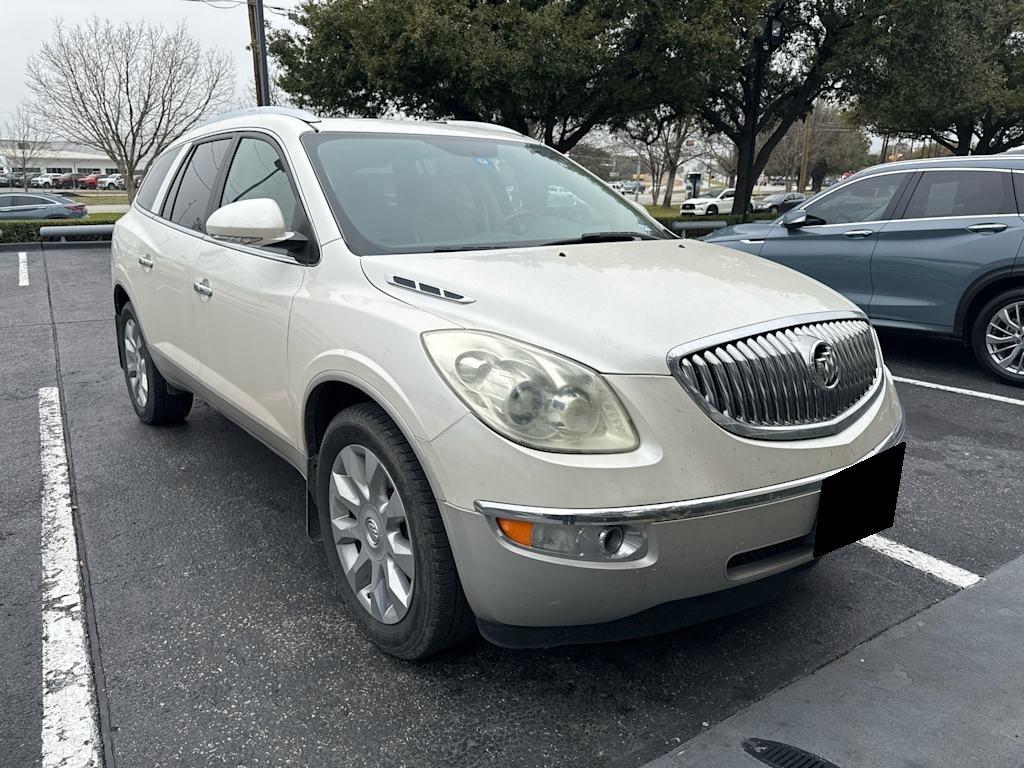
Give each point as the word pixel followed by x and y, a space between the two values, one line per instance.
pixel 778 203
pixel 505 418
pixel 32 206
pixel 930 246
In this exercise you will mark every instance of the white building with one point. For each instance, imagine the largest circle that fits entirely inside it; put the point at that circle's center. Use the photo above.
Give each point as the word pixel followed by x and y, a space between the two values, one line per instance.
pixel 59 158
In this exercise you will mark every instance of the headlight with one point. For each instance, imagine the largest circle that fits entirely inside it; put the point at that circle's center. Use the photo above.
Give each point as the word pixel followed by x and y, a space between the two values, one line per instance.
pixel 532 397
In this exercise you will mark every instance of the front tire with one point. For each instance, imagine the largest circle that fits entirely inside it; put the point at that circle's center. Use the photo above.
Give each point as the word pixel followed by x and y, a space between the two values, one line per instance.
pixel 151 397
pixel 998 337
pixel 384 537
pixel 774 210
pixel 712 210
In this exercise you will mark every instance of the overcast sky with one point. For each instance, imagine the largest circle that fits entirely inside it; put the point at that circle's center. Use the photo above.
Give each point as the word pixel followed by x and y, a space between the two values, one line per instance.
pixel 26 23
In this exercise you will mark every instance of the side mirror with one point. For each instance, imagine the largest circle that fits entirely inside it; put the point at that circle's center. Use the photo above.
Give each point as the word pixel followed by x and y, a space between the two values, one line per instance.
pixel 249 222
pixel 795 219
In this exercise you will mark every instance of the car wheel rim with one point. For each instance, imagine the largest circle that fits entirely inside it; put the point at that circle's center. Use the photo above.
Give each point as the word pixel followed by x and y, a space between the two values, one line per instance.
pixel 1004 338
pixel 135 363
pixel 371 534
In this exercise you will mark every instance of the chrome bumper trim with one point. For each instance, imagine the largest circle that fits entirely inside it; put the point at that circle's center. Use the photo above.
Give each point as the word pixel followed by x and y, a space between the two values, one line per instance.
pixel 678 510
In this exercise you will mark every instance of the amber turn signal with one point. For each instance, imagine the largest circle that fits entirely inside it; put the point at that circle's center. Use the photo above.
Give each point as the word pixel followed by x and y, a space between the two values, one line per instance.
pixel 519 531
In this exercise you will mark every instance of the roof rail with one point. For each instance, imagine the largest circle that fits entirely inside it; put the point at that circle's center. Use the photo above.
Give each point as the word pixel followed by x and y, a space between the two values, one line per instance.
pixel 479 124
pixel 299 114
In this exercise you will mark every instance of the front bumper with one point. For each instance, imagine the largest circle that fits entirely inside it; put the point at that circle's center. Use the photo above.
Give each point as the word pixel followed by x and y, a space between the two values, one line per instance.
pixel 696 548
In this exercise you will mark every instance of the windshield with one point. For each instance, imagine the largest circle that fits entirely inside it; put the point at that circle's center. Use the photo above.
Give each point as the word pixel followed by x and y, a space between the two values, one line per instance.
pixel 415 193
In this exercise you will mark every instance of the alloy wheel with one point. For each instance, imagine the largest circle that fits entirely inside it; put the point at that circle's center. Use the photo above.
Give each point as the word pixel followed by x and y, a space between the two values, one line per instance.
pixel 371 533
pixel 1004 338
pixel 135 363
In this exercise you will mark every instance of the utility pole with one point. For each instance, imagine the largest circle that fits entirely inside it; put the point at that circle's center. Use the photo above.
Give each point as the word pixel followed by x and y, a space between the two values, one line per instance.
pixel 258 44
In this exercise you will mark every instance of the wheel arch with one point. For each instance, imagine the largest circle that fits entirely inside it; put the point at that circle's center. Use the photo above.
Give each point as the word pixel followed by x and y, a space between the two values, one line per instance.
pixel 979 294
pixel 327 396
pixel 121 298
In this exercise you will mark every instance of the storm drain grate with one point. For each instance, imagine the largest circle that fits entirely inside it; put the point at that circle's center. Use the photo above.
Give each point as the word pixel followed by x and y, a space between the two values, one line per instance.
pixel 779 755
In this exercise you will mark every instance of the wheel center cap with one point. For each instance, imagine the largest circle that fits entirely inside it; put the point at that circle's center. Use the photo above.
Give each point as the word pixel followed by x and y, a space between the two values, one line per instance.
pixel 373 532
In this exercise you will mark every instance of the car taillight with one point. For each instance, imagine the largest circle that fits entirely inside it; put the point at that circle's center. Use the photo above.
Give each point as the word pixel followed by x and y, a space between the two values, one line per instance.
pixel 76 208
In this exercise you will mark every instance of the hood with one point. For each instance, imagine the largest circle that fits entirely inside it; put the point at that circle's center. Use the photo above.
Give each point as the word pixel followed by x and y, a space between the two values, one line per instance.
pixel 698 200
pixel 755 230
pixel 617 307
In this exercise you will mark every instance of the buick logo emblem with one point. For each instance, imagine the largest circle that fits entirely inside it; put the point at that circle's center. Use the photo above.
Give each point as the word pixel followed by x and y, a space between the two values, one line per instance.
pixel 823 366
pixel 821 361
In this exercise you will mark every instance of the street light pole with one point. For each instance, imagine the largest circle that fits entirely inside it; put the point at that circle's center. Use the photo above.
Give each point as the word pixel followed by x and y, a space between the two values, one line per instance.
pixel 258 35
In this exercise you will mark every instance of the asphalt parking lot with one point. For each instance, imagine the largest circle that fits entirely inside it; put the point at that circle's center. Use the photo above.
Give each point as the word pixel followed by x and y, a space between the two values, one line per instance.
pixel 218 636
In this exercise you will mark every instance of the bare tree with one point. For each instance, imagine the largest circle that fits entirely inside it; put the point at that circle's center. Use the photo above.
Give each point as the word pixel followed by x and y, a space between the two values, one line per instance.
pixel 127 90
pixel 26 138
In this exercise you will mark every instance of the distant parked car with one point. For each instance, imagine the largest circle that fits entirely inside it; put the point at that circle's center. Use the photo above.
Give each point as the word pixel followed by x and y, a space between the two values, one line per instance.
pixel 711 204
pixel 67 180
pixel 15 179
pixel 778 203
pixel 35 206
pixel 114 181
pixel 630 187
pixel 44 180
pixel 90 181
pixel 924 245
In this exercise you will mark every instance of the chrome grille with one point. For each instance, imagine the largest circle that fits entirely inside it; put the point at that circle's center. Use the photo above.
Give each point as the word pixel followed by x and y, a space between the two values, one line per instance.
pixel 773 381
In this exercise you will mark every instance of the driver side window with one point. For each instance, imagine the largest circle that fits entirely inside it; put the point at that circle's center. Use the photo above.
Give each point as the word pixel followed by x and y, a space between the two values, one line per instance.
pixel 862 201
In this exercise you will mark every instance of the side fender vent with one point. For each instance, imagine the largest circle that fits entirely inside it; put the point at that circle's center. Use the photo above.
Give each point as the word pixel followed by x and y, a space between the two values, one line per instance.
pixel 430 290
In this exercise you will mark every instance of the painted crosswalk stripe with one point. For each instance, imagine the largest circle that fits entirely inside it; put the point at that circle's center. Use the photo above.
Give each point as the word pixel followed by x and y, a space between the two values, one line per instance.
pixel 939 569
pixel 70 734
pixel 22 268
pixel 959 390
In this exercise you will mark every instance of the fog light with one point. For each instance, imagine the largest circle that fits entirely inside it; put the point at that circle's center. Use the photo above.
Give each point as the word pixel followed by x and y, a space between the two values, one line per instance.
pixel 611 539
pixel 583 542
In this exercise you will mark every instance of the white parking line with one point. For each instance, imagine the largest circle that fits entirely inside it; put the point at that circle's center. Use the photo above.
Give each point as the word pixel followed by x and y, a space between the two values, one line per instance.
pixel 70 734
pixel 22 268
pixel 959 390
pixel 940 569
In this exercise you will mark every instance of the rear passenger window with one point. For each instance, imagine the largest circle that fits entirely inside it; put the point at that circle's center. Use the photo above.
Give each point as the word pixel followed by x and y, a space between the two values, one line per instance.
pixel 155 176
pixel 961 193
pixel 190 201
pixel 258 172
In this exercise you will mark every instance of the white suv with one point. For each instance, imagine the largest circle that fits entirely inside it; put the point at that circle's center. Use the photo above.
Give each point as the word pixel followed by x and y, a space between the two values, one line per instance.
pixel 554 429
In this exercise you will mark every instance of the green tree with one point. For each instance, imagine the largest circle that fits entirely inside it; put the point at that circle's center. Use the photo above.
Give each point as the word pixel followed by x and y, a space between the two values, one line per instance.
pixel 953 74
pixel 554 68
pixel 820 43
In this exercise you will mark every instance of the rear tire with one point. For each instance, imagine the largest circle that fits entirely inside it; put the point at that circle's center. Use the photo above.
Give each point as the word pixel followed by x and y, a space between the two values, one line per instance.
pixel 998 339
pixel 148 391
pixel 365 527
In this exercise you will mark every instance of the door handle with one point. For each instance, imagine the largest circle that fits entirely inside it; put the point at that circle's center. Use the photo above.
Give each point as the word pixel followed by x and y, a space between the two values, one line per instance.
pixel 987 229
pixel 858 234
pixel 146 262
pixel 203 288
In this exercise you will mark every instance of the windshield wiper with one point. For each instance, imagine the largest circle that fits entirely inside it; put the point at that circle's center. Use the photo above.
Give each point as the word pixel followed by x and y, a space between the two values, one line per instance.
pixel 603 237
pixel 453 248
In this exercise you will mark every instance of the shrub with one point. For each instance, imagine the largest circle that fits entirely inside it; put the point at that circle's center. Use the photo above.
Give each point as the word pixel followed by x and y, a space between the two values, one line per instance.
pixel 28 231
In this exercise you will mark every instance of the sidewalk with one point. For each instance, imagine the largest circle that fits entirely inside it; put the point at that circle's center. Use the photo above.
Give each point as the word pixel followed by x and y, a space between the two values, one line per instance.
pixel 944 688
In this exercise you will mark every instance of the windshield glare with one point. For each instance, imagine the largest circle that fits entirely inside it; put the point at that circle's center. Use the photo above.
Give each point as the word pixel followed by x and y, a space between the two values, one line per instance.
pixel 415 193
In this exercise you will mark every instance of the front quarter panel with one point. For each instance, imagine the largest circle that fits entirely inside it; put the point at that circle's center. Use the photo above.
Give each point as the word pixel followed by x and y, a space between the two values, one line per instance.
pixel 344 329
